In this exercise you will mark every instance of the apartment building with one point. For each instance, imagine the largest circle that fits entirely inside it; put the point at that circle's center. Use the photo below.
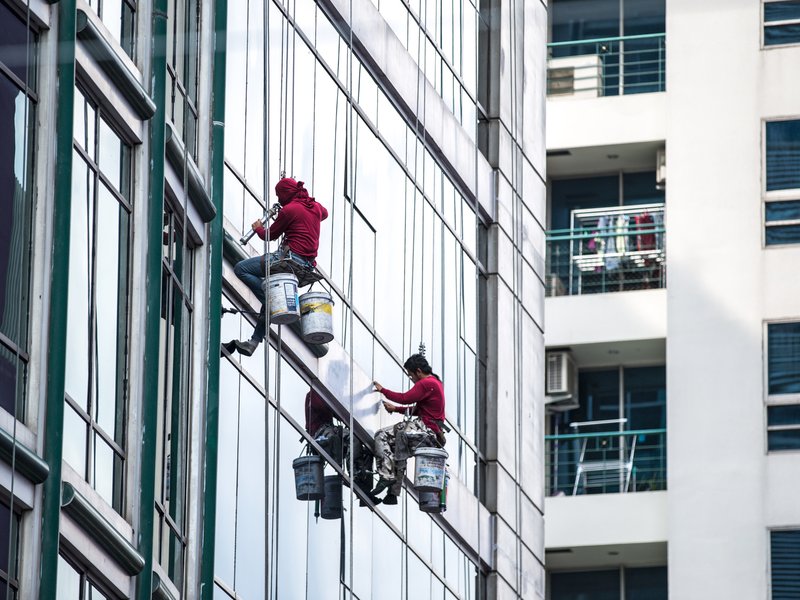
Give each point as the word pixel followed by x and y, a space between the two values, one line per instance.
pixel 673 308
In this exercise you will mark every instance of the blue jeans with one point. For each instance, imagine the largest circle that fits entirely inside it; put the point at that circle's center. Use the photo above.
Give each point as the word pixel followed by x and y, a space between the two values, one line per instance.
pixel 249 271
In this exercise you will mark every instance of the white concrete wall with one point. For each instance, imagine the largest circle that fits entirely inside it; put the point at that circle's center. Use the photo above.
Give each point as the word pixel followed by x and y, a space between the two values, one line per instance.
pixel 724 490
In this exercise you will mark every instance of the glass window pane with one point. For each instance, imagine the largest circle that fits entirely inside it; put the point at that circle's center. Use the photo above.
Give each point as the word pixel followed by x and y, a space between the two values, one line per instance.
pixel 646 584
pixel 107 472
pixel 782 234
pixel 783 415
pixel 586 585
pixel 783 348
pixel 783 211
pixel 75 440
pixel 781 11
pixel 785 567
pixel 69 581
pixel 783 440
pixel 782 34
pixel 13 42
pixel 783 155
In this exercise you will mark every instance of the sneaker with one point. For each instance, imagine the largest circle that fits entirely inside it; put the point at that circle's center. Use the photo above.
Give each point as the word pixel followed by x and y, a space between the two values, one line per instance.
pixel 230 347
pixel 381 485
pixel 246 348
pixel 390 499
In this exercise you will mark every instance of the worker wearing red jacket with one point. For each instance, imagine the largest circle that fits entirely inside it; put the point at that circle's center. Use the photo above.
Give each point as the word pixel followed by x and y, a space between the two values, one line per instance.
pixel 426 399
pixel 299 224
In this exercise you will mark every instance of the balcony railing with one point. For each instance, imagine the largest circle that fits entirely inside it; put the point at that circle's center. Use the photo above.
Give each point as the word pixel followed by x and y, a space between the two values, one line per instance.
pixel 606 462
pixel 633 64
pixel 613 249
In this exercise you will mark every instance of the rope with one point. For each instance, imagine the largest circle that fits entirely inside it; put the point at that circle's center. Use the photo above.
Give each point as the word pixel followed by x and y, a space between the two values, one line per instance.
pixel 265 141
pixel 349 161
pixel 18 319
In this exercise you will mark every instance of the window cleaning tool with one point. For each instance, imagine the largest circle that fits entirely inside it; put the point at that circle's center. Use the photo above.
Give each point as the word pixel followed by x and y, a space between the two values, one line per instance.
pixel 268 214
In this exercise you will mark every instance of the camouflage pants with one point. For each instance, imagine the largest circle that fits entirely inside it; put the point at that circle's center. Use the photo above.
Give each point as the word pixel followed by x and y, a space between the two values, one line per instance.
pixel 391 456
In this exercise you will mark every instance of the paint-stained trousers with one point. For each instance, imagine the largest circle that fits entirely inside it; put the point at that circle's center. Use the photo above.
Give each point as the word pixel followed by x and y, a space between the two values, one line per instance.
pixel 391 460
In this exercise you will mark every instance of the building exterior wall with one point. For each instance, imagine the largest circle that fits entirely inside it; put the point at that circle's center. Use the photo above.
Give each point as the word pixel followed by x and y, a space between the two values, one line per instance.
pixel 725 492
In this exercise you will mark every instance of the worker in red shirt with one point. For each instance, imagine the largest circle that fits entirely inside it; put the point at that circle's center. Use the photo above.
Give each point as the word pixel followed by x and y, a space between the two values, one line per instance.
pixel 426 399
pixel 299 223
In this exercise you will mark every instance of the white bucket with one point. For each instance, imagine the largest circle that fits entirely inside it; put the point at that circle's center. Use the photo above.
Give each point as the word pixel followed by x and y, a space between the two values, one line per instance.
pixel 429 469
pixel 316 309
pixel 284 305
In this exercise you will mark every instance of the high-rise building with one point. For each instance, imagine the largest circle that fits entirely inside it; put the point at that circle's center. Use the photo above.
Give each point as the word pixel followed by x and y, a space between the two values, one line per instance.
pixel 140 141
pixel 673 308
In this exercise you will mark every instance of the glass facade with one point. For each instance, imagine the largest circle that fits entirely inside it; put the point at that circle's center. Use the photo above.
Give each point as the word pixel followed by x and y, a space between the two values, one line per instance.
pixel 785 564
pixel 18 100
pixel 97 331
pixel 74 583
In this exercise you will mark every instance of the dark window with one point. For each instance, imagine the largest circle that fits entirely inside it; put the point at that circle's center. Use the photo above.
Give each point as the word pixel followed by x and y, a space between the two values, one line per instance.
pixel 586 585
pixel 785 564
pixel 781 22
pixel 9 552
pixel 97 329
pixel 783 427
pixel 646 584
pixel 783 358
pixel 783 155
pixel 17 137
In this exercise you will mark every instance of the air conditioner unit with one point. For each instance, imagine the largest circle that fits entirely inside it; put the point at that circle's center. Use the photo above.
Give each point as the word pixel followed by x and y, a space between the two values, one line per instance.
pixel 575 76
pixel 561 382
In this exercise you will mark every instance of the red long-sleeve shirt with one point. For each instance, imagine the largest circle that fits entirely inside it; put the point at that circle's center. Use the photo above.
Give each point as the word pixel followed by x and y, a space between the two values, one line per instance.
pixel 428 395
pixel 298 222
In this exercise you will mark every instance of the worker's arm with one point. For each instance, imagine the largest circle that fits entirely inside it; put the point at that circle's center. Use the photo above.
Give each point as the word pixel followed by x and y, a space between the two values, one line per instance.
pixel 412 396
pixel 280 225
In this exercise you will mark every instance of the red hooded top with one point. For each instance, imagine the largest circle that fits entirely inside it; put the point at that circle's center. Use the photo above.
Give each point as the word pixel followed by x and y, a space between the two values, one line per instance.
pixel 317 412
pixel 428 395
pixel 299 219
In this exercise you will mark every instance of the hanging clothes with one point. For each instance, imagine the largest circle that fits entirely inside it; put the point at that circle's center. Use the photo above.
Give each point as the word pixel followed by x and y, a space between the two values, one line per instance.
pixel 612 253
pixel 647 239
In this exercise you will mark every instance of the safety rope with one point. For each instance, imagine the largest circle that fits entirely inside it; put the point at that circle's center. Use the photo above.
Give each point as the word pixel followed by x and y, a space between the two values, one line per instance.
pixel 351 186
pixel 267 453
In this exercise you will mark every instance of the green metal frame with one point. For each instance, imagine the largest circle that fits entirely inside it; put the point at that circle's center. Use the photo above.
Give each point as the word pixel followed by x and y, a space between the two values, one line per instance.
pixel 59 286
pixel 216 249
pixel 214 302
pixel 155 210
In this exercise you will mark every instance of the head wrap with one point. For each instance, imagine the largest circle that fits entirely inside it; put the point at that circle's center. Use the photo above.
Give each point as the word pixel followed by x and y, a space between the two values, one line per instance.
pixel 288 189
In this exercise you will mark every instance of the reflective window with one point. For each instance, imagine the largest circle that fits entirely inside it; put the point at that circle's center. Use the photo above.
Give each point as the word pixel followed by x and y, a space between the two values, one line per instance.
pixel 182 67
pixel 97 329
pixel 119 16
pixel 782 210
pixel 783 358
pixel 74 583
pixel 781 22
pixel 785 564
pixel 174 379
pixel 18 49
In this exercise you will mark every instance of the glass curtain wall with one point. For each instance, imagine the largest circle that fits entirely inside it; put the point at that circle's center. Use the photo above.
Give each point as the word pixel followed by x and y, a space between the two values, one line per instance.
pixel 18 100
pixel 97 329
pixel 415 278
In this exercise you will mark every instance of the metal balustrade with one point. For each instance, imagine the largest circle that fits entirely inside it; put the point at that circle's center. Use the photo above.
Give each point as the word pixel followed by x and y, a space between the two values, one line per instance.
pixel 606 462
pixel 611 249
pixel 611 66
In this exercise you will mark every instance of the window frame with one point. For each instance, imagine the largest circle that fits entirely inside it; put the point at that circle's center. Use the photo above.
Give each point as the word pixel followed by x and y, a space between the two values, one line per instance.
pixel 93 427
pixel 765 24
pixel 771 400
pixel 775 196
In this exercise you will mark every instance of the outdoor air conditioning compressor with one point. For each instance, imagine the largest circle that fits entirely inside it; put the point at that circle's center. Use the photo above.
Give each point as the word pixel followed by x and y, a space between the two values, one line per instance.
pixel 561 382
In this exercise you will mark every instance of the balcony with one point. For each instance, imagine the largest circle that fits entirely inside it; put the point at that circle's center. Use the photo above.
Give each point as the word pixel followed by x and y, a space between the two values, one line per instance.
pixel 610 66
pixel 605 462
pixel 606 250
